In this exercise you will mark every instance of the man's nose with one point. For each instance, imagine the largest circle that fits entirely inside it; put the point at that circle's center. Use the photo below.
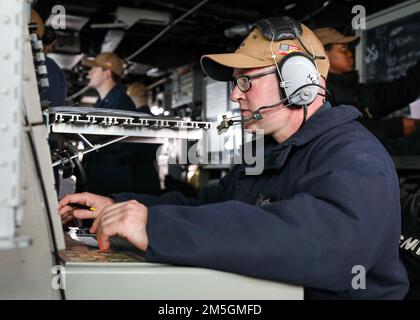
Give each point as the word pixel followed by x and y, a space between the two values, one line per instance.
pixel 236 94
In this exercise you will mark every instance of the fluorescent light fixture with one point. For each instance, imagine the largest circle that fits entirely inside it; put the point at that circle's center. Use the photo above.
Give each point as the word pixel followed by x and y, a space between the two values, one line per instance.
pixel 72 22
pixel 127 17
pixel 112 40
pixel 131 16
pixel 137 68
pixel 66 61
pixel 154 73
pixel 112 25
pixel 290 6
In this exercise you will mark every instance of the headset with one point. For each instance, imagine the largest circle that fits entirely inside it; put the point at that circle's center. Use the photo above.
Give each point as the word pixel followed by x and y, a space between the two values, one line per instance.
pixel 297 72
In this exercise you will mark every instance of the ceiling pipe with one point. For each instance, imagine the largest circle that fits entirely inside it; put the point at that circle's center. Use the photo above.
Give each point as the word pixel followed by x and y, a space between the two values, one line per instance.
pixel 170 26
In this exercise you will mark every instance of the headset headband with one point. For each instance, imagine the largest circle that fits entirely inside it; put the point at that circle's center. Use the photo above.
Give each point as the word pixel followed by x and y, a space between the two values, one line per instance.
pixel 279 28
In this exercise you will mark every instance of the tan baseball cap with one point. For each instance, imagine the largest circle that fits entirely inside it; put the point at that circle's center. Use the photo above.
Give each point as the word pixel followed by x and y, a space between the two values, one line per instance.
pixel 255 52
pixel 106 60
pixel 137 89
pixel 332 36
pixel 36 18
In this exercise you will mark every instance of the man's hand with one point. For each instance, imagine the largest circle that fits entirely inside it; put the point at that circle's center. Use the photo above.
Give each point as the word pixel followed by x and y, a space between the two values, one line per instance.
pixel 125 219
pixel 68 213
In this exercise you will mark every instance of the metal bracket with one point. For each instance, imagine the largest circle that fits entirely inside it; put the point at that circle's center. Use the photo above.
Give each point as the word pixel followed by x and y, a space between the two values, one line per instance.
pixel 15 243
pixel 93 148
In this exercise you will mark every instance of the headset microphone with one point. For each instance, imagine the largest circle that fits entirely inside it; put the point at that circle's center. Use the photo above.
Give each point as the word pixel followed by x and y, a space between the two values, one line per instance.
pixel 256 115
pixel 226 122
pixel 297 71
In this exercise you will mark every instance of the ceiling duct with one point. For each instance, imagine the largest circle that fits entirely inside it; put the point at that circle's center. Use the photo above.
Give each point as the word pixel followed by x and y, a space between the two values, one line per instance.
pixel 127 17
pixel 132 16
pixel 72 22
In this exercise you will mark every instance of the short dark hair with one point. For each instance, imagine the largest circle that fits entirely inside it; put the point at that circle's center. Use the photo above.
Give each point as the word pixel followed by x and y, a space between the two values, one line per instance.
pixel 115 77
pixel 328 47
pixel 49 36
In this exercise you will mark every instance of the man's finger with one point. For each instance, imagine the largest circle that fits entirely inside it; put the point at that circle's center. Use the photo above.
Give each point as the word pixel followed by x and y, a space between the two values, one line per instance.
pixel 65 210
pixel 67 219
pixel 105 221
pixel 99 219
pixel 65 215
pixel 84 214
pixel 81 198
pixel 68 198
pixel 115 205
pixel 110 210
pixel 105 233
pixel 110 219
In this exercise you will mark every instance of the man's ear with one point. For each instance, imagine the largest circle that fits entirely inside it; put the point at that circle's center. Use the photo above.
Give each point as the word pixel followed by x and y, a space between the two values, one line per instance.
pixel 331 52
pixel 107 74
